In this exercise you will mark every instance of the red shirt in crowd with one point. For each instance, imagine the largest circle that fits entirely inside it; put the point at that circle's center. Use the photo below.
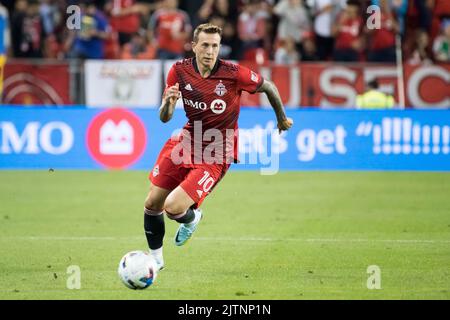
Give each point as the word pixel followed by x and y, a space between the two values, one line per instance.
pixel 441 7
pixel 167 26
pixel 128 23
pixel 385 36
pixel 349 31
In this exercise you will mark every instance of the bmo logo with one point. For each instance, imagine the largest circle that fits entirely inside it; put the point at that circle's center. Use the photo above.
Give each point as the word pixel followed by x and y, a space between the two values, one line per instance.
pixel 195 104
pixel 116 138
pixel 55 138
pixel 218 106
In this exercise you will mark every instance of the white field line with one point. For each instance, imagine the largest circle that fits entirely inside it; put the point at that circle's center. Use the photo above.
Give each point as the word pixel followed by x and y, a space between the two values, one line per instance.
pixel 230 239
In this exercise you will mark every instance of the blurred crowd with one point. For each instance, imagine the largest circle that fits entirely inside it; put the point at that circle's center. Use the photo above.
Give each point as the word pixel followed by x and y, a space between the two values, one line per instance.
pixel 284 31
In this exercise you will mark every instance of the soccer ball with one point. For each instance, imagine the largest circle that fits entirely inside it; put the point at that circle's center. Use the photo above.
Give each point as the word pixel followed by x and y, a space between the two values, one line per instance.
pixel 137 270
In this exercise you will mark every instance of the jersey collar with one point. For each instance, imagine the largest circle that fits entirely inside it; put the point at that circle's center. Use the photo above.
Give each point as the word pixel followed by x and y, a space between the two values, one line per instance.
pixel 214 70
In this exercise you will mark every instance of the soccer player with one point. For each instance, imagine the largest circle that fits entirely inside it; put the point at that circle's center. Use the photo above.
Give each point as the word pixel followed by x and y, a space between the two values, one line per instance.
pixel 183 176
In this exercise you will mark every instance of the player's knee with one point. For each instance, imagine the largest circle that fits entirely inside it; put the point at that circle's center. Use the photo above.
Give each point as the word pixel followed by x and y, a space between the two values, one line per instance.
pixel 154 203
pixel 173 208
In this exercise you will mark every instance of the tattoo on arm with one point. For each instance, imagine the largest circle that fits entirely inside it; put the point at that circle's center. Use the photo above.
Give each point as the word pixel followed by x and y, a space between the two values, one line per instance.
pixel 271 91
pixel 166 111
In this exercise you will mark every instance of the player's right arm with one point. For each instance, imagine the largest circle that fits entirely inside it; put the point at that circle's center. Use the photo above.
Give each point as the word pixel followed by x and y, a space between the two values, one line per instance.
pixel 170 97
pixel 168 102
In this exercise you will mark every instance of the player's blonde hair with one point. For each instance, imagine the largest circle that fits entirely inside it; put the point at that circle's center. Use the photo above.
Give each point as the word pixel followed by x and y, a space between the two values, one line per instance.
pixel 206 28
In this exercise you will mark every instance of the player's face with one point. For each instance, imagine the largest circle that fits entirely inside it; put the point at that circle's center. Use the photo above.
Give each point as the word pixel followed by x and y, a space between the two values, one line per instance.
pixel 206 49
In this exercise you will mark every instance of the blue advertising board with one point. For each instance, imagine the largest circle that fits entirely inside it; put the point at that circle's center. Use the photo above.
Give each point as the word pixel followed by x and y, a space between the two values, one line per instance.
pixel 81 138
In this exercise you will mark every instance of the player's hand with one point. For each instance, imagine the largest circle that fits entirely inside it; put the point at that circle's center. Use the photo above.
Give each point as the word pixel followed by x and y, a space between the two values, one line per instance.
pixel 172 93
pixel 285 124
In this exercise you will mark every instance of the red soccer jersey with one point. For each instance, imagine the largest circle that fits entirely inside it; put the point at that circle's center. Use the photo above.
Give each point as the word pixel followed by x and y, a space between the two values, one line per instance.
pixel 213 102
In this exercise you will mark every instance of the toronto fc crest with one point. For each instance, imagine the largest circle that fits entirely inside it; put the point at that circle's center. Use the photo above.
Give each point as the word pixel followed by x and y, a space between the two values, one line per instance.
pixel 220 89
pixel 156 171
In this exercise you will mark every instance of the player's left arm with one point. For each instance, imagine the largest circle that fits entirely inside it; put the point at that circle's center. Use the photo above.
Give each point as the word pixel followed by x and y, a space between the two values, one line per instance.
pixel 271 91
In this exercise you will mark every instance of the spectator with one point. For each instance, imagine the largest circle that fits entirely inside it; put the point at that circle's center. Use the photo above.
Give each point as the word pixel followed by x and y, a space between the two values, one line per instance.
pixel 373 98
pixel 440 10
pixel 124 17
pixel 28 31
pixel 17 19
pixel 205 11
pixel 192 8
pixel 231 41
pixel 139 48
pixel 348 34
pixel 225 9
pixel 49 15
pixel 294 21
pixel 441 45
pixel 229 44
pixel 287 52
pixel 383 40
pixel 18 36
pixel 266 11
pixel 251 29
pixel 51 12
pixel 324 12
pixel 399 8
pixel 419 54
pixel 309 48
pixel 90 40
pixel 111 46
pixel 424 9
pixel 171 28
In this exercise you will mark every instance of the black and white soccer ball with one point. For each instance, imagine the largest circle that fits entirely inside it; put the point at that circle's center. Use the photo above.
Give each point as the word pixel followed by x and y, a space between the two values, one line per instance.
pixel 137 270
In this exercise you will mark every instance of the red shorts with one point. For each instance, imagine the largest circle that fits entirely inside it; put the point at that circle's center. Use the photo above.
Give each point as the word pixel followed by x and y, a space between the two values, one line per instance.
pixel 197 180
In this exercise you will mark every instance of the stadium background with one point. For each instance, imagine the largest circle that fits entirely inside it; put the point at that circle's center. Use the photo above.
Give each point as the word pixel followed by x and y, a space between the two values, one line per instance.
pixel 62 108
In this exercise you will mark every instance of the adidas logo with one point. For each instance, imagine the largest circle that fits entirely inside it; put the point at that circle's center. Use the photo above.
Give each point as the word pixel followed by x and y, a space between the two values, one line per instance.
pixel 188 87
pixel 200 193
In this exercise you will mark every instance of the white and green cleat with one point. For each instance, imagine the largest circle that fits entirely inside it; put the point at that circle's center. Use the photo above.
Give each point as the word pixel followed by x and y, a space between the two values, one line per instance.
pixel 160 264
pixel 185 230
pixel 157 255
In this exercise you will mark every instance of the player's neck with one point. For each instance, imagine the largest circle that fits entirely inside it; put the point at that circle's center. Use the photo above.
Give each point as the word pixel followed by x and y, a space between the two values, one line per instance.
pixel 205 71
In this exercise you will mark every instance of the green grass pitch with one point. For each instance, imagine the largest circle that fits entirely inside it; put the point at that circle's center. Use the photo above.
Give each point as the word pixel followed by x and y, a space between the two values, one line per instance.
pixel 294 235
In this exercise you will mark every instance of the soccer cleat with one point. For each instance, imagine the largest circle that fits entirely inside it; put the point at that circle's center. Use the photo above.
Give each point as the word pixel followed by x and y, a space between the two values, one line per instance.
pixel 185 230
pixel 159 260
pixel 160 264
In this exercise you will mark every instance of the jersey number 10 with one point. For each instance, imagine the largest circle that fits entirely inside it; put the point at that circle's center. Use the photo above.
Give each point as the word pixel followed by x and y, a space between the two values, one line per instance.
pixel 206 181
